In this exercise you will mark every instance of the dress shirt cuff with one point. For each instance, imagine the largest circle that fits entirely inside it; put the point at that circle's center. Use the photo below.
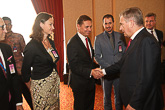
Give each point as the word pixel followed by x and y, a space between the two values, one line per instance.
pixel 90 74
pixel 17 104
pixel 103 70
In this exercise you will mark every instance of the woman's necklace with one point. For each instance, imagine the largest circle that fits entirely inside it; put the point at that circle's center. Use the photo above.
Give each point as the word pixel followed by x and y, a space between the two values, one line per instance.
pixel 46 44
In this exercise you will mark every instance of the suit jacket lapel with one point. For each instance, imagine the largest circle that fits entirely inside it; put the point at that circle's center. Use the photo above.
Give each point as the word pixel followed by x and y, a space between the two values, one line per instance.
pixel 133 43
pixel 117 42
pixel 43 50
pixel 92 51
pixel 5 55
pixel 158 35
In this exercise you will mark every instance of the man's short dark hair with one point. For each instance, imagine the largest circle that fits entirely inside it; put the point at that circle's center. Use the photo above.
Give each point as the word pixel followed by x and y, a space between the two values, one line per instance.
pixel 108 16
pixel 83 18
pixel 6 18
pixel 151 14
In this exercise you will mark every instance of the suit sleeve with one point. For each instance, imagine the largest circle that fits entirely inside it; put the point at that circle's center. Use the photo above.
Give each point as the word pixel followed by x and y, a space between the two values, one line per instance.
pixel 148 73
pixel 98 54
pixel 113 69
pixel 74 61
pixel 29 53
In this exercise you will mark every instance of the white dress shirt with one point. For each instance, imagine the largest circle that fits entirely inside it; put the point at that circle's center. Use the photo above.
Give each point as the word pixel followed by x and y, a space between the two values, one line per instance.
pixel 3 61
pixel 84 41
pixel 154 33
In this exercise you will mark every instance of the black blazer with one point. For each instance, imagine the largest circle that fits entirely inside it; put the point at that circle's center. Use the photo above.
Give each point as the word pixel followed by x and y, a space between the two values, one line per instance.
pixel 139 73
pixel 11 83
pixel 36 56
pixel 80 64
pixel 160 36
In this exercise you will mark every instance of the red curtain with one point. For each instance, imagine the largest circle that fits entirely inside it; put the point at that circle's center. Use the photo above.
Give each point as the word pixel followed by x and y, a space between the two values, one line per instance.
pixel 54 7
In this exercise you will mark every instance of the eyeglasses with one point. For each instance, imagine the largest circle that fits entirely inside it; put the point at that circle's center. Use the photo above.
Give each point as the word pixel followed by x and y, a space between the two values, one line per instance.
pixel 3 27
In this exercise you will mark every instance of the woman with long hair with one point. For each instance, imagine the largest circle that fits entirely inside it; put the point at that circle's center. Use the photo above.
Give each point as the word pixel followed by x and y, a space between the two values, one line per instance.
pixel 39 65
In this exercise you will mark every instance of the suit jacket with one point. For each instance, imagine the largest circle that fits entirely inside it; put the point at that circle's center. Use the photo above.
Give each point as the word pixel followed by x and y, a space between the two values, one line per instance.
pixel 160 36
pixel 11 83
pixel 139 73
pixel 36 56
pixel 105 55
pixel 80 64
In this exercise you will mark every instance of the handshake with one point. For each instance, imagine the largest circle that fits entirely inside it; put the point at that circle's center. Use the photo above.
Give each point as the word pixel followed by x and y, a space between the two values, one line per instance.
pixel 97 73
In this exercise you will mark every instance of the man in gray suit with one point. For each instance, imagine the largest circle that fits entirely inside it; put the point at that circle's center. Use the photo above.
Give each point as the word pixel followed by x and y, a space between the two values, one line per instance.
pixel 109 48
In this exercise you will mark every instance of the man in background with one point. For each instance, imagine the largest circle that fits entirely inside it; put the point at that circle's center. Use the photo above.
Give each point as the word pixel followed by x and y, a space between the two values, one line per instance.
pixel 17 43
pixel 109 48
pixel 80 57
pixel 150 24
pixel 10 95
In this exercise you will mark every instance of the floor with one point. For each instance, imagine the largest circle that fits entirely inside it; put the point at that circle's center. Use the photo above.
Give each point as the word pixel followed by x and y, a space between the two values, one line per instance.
pixel 66 98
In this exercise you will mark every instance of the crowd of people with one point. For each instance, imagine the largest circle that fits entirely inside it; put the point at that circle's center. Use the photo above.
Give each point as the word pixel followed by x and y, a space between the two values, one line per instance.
pixel 34 74
pixel 133 70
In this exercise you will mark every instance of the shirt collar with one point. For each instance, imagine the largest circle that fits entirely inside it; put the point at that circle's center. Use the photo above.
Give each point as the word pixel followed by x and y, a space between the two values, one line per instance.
pixel 109 34
pixel 149 30
pixel 81 36
pixel 134 35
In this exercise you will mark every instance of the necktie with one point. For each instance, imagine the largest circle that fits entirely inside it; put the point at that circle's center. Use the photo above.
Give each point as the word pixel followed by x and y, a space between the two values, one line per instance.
pixel 5 76
pixel 111 40
pixel 87 46
pixel 154 35
pixel 128 44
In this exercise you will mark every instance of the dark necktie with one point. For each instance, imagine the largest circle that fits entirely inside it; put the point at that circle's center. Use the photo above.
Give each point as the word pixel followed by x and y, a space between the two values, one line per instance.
pixel 111 40
pixel 128 44
pixel 154 35
pixel 87 46
pixel 5 76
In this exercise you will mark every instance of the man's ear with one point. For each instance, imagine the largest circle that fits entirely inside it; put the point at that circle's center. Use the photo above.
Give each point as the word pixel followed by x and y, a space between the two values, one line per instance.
pixel 131 23
pixel 78 26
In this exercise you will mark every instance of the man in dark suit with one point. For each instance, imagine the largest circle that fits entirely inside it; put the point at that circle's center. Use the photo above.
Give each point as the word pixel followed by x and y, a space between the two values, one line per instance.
pixel 80 57
pixel 140 86
pixel 10 95
pixel 150 23
pixel 17 43
pixel 109 48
